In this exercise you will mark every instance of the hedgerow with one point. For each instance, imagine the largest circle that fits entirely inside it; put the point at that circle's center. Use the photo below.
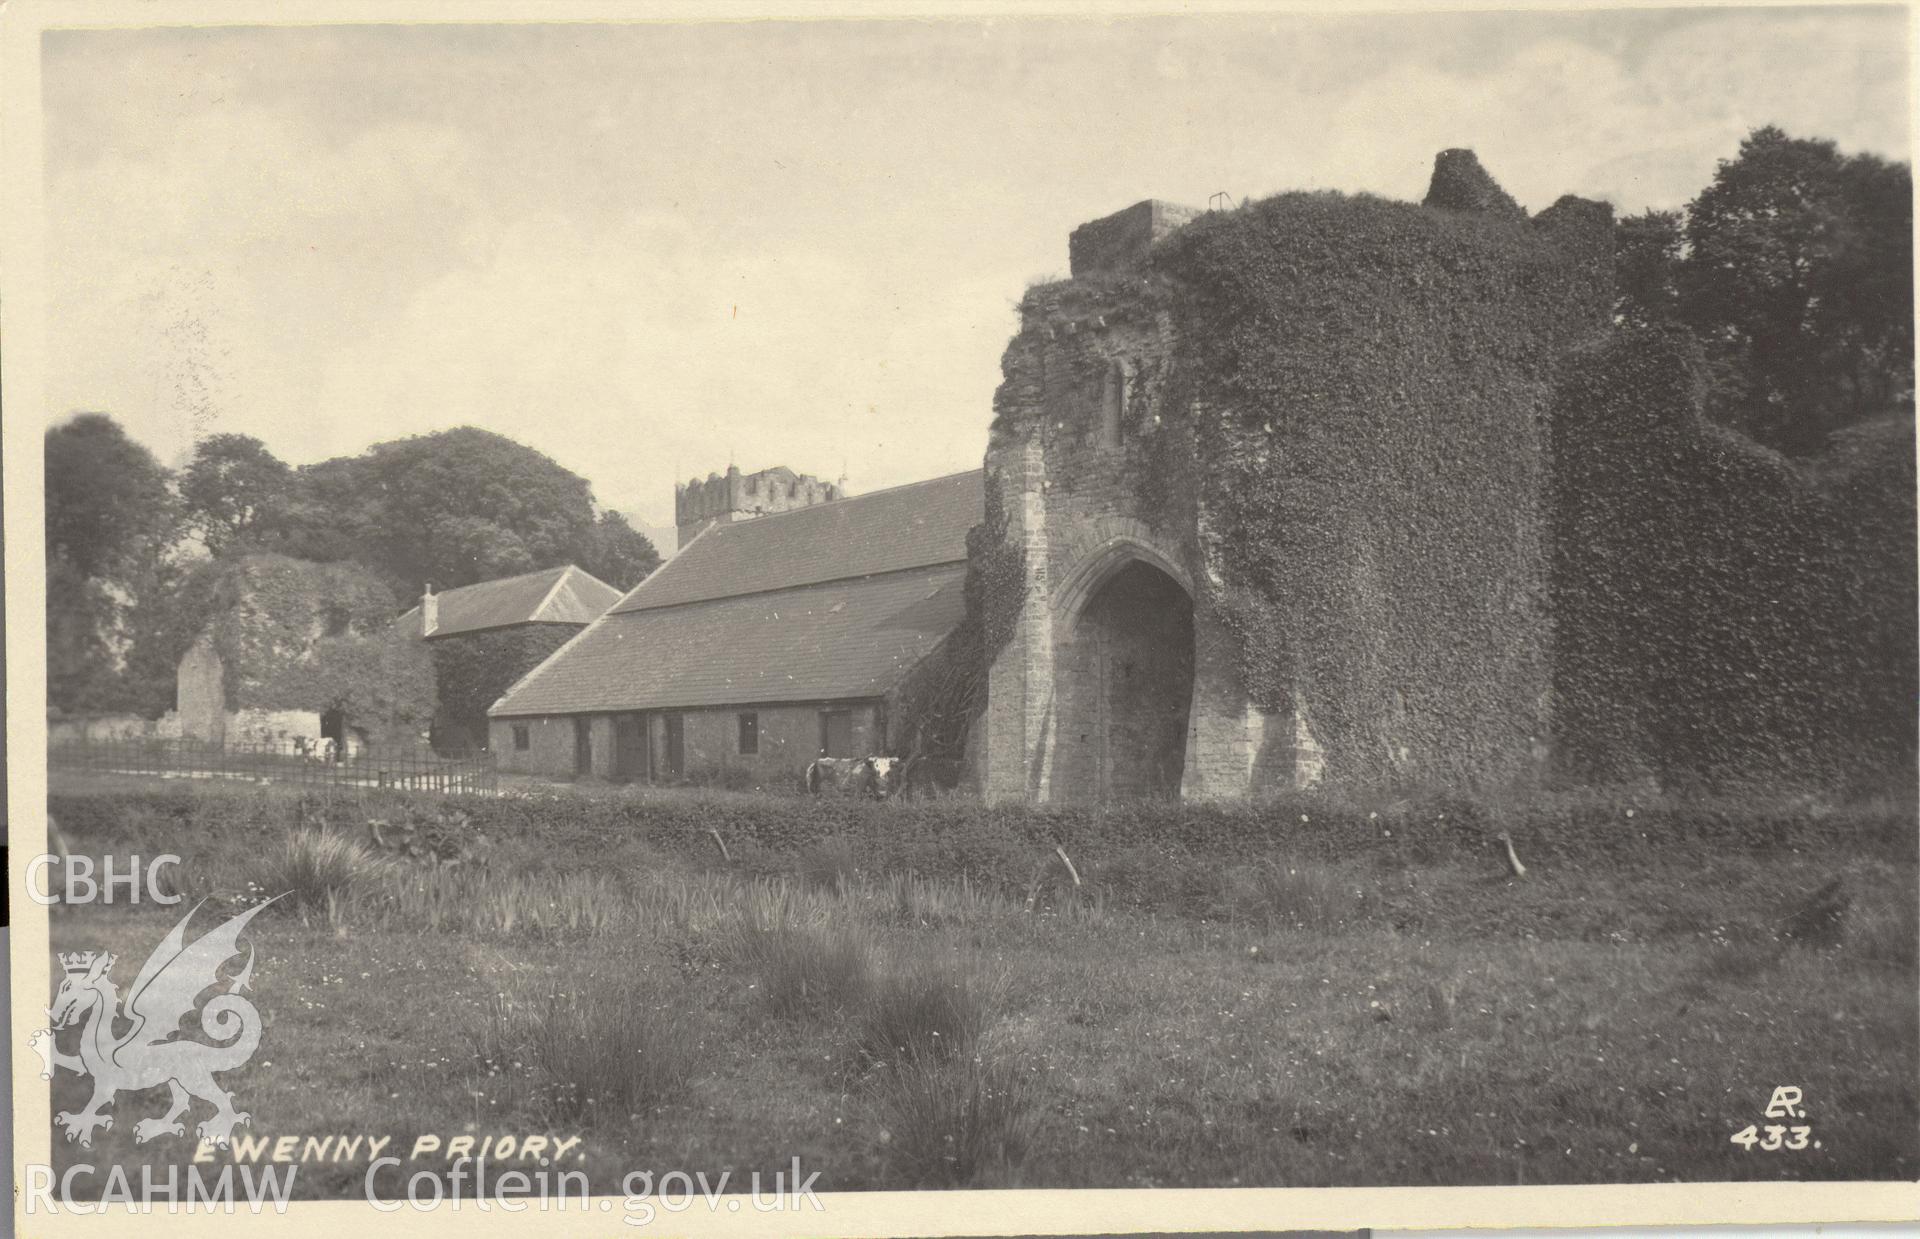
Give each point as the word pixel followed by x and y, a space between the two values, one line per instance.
pixel 1004 847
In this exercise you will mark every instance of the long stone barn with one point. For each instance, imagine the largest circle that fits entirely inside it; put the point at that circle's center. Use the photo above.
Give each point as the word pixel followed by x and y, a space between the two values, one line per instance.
pixel 767 640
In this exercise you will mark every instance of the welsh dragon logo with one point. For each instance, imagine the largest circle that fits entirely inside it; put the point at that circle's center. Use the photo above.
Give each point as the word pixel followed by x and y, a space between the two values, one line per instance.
pixel 150 1051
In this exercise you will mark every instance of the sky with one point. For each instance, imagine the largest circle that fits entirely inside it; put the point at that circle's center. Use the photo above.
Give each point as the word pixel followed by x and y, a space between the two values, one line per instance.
pixel 650 251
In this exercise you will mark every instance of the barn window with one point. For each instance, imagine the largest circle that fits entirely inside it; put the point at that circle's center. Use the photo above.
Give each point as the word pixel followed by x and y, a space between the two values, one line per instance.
pixel 749 734
pixel 521 740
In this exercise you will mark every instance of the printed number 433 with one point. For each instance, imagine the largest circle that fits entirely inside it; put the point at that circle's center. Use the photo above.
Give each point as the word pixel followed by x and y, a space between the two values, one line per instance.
pixel 1772 1136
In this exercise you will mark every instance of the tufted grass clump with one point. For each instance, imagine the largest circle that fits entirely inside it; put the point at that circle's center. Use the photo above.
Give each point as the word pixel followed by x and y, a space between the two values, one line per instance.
pixel 608 1049
pixel 807 971
pixel 933 1015
pixel 954 1123
pixel 916 900
pixel 317 868
pixel 1284 894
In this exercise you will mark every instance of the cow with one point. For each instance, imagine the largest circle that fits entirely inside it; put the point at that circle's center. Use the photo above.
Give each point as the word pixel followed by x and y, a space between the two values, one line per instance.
pixel 877 777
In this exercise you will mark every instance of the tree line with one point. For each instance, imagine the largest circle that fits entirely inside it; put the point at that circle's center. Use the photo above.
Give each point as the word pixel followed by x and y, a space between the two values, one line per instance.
pixel 133 547
pixel 1793 270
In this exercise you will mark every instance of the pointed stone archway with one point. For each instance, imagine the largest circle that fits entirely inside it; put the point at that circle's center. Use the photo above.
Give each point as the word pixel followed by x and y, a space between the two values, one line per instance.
pixel 1123 677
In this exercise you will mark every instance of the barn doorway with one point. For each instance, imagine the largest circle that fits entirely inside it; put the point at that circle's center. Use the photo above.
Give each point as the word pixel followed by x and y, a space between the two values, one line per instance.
pixel 836 733
pixel 582 745
pixel 676 727
pixel 1124 683
pixel 630 746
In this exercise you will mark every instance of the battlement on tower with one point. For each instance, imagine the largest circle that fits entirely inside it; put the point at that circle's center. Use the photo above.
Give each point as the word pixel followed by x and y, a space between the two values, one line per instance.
pixel 735 496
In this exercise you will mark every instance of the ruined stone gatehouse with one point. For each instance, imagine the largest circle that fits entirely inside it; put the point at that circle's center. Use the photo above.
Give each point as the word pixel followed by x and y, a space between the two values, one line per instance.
pixel 1274 482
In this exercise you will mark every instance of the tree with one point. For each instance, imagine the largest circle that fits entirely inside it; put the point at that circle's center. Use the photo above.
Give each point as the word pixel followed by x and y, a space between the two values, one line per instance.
pixel 455 508
pixel 235 492
pixel 1797 277
pixel 109 504
pixel 467 505
pixel 111 515
pixel 451 508
pixel 331 512
pixel 184 597
pixel 82 619
pixel 616 552
pixel 1647 250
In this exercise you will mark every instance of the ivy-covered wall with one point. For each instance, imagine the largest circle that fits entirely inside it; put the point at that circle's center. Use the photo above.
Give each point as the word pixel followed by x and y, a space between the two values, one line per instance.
pixel 1725 615
pixel 1367 385
pixel 296 635
pixel 474 670
pixel 1326 418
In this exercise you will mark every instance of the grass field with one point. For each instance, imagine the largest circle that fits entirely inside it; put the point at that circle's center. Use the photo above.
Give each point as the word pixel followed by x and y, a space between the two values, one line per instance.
pixel 1279 1022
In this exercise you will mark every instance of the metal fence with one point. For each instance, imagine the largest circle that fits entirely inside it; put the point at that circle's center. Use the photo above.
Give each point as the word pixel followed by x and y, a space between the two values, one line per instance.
pixel 296 762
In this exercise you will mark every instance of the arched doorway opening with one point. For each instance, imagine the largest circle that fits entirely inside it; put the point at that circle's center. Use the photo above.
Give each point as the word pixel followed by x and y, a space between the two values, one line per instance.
pixel 1124 683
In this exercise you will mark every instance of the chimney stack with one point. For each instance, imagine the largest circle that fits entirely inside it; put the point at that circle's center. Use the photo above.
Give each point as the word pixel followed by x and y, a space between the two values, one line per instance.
pixel 429 612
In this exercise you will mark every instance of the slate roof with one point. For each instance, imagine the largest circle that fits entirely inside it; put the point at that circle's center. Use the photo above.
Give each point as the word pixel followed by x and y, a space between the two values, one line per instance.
pixel 820 642
pixel 884 531
pixel 565 595
pixel 829 602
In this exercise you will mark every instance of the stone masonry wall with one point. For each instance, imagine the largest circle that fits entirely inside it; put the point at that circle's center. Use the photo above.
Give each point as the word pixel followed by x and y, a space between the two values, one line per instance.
pixel 550 745
pixel 1124 238
pixel 201 694
pixel 789 737
pixel 1079 420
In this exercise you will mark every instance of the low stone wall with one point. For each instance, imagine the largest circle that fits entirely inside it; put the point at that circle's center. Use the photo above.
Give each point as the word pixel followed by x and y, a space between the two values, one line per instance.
pixel 103 728
pixel 276 727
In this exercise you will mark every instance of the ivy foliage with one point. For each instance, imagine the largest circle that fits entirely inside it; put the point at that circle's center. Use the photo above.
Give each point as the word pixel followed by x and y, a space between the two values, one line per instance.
pixel 934 709
pixel 1724 613
pixel 474 670
pixel 295 635
pixel 996 575
pixel 1364 385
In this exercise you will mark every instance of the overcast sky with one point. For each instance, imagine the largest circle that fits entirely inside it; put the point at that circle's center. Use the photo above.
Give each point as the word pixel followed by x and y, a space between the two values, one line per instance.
pixel 651 250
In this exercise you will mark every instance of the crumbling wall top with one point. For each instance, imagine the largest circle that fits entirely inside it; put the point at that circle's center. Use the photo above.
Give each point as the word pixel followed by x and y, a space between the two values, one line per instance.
pixel 1124 238
pixel 1460 184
